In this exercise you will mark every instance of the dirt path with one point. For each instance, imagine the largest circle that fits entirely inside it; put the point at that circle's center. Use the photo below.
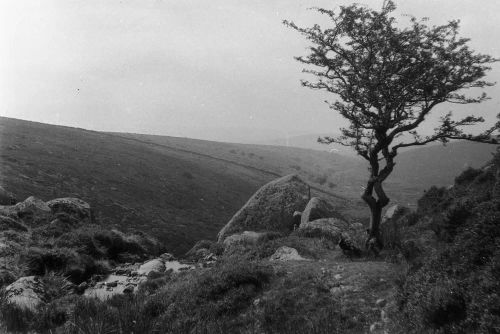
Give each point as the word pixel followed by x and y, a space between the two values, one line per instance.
pixel 366 286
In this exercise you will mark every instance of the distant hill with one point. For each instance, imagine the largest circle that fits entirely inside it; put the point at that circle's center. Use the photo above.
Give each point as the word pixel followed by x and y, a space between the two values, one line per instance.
pixel 183 190
pixel 439 164
pixel 310 141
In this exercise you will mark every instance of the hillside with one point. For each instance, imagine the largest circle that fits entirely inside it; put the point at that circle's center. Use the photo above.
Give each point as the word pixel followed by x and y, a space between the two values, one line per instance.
pixel 178 195
pixel 183 190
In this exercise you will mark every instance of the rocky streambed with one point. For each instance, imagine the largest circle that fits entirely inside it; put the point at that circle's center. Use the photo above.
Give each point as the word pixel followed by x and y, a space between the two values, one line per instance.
pixel 127 278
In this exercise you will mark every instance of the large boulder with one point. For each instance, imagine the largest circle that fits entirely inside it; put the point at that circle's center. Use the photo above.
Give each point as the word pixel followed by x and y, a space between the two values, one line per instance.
pixel 285 253
pixel 74 207
pixel 329 228
pixel 271 208
pixel 26 292
pixel 318 208
pixel 153 265
pixel 6 197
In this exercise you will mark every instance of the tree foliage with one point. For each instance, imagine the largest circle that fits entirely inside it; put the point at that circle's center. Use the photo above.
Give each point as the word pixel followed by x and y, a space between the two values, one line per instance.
pixel 388 79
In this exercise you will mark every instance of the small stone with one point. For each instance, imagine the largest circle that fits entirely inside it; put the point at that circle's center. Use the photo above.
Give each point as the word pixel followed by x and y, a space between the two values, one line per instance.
pixel 337 277
pixel 381 302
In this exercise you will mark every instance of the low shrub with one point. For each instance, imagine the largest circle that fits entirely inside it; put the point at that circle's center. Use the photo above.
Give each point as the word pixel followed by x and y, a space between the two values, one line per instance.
pixel 467 176
pixel 456 290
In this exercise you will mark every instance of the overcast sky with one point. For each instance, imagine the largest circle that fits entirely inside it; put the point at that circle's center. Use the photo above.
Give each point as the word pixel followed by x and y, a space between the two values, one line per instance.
pixel 218 69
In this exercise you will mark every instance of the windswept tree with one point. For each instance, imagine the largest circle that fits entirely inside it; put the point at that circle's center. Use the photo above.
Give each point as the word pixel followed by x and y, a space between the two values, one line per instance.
pixel 387 80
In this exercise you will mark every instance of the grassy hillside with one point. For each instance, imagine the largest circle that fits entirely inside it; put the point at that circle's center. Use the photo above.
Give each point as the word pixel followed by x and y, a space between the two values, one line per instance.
pixel 183 190
pixel 178 195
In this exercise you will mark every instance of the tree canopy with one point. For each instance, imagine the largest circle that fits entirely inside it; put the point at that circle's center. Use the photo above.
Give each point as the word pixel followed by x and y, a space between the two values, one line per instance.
pixel 388 79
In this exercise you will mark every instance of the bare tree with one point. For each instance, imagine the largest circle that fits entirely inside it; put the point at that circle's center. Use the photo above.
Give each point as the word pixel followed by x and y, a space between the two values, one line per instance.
pixel 388 80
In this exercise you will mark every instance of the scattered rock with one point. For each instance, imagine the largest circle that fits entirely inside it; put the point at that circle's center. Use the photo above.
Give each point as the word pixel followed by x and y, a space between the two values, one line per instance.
pixel 152 265
pixel 271 208
pixel 285 253
pixel 337 277
pixel 26 292
pixel 318 208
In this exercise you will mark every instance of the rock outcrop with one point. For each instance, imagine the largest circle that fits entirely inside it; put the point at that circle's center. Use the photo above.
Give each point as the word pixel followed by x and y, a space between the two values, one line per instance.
pixel 74 207
pixel 271 208
pixel 32 211
pixel 318 208
pixel 26 292
pixel 330 228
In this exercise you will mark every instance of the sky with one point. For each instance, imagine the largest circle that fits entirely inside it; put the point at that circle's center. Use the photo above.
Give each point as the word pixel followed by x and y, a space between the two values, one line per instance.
pixel 218 69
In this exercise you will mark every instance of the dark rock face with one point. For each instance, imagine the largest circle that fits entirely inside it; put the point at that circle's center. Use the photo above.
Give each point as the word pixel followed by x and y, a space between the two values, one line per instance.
pixel 271 208
pixel 318 208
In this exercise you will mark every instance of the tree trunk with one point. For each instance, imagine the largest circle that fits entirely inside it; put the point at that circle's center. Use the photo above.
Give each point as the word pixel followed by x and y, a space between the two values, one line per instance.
pixel 374 241
pixel 374 237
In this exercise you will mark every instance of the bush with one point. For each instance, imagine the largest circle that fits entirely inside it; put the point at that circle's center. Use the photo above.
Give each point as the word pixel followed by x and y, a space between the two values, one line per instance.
pixel 14 318
pixel 211 296
pixel 91 316
pixel 457 290
pixel 40 261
